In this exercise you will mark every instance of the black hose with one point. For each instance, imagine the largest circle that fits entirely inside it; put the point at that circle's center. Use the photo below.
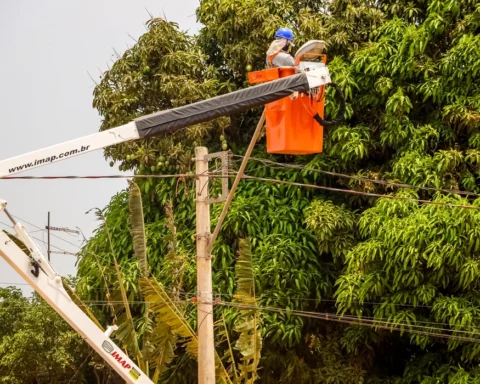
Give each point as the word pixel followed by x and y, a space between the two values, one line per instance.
pixel 36 270
pixel 341 114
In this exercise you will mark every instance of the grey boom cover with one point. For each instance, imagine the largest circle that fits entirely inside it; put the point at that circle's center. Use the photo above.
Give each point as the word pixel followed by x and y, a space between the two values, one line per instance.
pixel 172 120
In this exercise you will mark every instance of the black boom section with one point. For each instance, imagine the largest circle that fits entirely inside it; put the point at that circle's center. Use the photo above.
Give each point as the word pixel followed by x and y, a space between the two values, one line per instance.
pixel 171 120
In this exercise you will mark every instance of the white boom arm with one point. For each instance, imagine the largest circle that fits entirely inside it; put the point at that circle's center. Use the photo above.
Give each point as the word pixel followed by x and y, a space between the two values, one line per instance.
pixel 171 120
pixel 68 149
pixel 38 272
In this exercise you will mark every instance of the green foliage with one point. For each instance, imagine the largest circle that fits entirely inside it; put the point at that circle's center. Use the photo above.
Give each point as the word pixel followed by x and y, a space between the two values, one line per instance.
pixel 164 69
pixel 138 229
pixel 38 346
pixel 333 226
pixel 248 324
pixel 409 72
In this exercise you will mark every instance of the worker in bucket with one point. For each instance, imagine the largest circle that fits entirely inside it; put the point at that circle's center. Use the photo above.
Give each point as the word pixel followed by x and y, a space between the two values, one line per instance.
pixel 277 54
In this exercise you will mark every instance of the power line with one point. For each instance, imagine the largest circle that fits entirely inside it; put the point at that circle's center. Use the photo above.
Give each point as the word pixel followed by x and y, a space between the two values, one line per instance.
pixel 72 177
pixel 347 319
pixel 360 178
pixel 93 177
pixel 353 320
pixel 44 230
pixel 111 263
pixel 191 294
pixel 100 304
pixel 99 177
pixel 353 192
pixel 60 249
pixel 278 181
pixel 328 316
pixel 36 238
pixel 367 318
pixel 187 294
pixel 81 365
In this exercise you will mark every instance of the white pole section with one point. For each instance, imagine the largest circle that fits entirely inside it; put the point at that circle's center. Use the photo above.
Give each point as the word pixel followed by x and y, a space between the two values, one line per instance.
pixel 206 351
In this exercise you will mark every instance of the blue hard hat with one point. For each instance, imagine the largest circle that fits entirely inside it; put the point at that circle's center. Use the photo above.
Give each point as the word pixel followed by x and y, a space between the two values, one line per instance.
pixel 286 33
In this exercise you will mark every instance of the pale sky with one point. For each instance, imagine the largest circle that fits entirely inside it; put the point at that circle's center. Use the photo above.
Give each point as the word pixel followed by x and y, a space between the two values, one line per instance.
pixel 49 48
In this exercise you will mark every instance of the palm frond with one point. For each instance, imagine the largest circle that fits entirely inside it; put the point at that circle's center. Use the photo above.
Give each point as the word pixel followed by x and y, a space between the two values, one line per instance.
pixel 164 342
pixel 80 304
pixel 171 238
pixel 248 324
pixel 244 273
pixel 228 355
pixel 126 332
pixel 138 228
pixel 168 313
pixel 175 260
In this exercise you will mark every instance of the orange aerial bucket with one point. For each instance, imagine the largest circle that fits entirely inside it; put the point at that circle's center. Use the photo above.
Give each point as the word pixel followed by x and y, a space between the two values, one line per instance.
pixel 291 128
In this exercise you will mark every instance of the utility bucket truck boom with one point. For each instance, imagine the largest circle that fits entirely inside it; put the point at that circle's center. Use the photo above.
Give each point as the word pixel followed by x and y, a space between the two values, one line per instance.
pixel 40 275
pixel 304 79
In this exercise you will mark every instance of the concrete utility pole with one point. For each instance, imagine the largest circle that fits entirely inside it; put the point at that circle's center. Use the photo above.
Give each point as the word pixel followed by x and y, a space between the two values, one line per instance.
pixel 205 242
pixel 206 348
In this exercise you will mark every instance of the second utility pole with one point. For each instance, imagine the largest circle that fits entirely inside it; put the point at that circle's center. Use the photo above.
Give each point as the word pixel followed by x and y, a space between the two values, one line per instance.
pixel 48 231
pixel 206 348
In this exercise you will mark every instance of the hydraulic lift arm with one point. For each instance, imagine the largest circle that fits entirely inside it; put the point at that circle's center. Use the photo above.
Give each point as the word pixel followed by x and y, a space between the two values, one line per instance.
pixel 34 267
pixel 171 120
pixel 40 275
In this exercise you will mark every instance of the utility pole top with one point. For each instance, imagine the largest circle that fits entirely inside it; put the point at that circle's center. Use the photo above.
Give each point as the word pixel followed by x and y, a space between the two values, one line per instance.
pixel 64 253
pixel 49 228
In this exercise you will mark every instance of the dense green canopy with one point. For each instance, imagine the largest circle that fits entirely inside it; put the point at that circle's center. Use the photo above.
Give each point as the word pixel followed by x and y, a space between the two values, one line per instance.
pixel 409 72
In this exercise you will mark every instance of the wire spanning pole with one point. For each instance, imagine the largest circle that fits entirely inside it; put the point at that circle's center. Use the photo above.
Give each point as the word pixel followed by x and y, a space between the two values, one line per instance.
pixel 239 176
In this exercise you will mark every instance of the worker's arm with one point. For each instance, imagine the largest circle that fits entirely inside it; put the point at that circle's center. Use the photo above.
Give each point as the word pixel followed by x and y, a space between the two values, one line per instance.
pixel 283 59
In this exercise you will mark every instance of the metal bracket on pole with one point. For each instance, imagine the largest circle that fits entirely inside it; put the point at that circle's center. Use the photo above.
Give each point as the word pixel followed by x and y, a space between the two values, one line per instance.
pixel 224 156
pixel 3 205
pixel 62 229
pixel 200 235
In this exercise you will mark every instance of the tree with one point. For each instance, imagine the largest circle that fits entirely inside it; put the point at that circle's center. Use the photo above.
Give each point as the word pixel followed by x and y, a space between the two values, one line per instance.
pixel 163 70
pixel 38 346
pixel 408 71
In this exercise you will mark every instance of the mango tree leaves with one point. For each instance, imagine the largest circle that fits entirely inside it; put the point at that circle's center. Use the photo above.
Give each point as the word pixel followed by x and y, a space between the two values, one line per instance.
pixel 408 71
